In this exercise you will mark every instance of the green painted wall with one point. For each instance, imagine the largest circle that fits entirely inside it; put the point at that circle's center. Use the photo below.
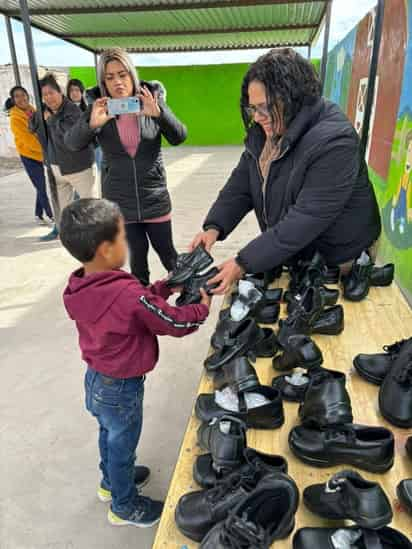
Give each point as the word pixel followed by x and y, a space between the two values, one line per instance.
pixel 205 97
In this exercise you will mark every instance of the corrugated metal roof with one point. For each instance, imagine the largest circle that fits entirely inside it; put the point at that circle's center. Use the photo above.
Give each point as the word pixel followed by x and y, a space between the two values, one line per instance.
pixel 176 25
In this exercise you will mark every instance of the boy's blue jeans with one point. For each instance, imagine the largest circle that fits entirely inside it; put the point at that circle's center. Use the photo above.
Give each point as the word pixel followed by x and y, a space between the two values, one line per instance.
pixel 117 404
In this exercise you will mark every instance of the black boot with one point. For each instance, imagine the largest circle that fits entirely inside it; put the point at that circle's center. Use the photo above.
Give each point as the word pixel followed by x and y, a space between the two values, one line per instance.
pixel 330 298
pixel 191 290
pixel 348 496
pixel 248 527
pixel 189 264
pixel 395 394
pixel 357 283
pixel 302 352
pixel 383 276
pixel 404 492
pixel 238 374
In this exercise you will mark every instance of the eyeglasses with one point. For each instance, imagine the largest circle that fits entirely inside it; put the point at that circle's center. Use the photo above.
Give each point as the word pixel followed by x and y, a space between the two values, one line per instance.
pixel 253 109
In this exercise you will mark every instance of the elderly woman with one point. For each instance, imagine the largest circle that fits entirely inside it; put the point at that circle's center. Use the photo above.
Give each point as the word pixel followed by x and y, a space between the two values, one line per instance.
pixel 134 175
pixel 302 172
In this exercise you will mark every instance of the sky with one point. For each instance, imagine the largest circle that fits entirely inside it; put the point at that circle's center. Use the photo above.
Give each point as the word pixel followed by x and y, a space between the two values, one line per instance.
pixel 51 52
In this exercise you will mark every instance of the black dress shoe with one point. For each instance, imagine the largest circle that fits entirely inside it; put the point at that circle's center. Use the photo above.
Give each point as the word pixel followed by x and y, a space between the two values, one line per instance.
pixel 238 374
pixel 331 322
pixel 395 393
pixel 368 448
pixel 207 475
pixel 383 276
pixel 322 538
pixel 189 264
pixel 375 367
pixel 197 512
pixel 191 290
pixel 225 439
pixel 348 496
pixel 263 306
pixel 268 346
pixel 301 352
pixel 247 527
pixel 229 332
pixel 404 492
pixel 357 283
pixel 292 387
pixel 268 416
pixel 248 336
pixel 332 274
pixel 330 298
pixel 327 401
pixel 408 447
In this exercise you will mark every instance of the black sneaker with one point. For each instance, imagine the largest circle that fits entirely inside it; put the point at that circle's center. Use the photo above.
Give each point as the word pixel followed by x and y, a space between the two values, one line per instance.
pixel 375 367
pixel 141 478
pixel 248 527
pixel 348 496
pixel 146 514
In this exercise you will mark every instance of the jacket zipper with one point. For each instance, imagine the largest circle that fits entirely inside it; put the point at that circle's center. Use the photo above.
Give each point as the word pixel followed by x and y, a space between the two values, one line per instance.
pixel 139 213
pixel 264 180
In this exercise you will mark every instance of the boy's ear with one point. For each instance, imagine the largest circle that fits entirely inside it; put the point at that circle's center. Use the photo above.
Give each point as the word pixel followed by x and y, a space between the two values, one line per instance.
pixel 105 250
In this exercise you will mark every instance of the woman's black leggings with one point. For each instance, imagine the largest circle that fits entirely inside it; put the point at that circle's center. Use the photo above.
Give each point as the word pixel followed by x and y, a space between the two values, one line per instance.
pixel 160 236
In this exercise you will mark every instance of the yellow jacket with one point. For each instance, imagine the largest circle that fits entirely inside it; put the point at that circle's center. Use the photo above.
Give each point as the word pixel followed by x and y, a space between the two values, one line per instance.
pixel 27 143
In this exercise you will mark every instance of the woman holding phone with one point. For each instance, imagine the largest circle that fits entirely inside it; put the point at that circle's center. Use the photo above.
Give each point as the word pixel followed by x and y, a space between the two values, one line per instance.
pixel 134 175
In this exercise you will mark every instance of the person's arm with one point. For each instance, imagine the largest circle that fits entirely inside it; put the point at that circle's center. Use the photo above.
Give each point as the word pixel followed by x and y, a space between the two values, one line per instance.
pixel 327 188
pixel 171 128
pixel 19 128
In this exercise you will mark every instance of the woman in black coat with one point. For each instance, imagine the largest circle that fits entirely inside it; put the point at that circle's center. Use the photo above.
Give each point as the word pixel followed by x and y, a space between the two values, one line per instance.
pixel 133 175
pixel 302 172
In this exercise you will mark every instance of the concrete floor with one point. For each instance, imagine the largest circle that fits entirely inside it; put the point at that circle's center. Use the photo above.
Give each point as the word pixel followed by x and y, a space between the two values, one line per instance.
pixel 48 442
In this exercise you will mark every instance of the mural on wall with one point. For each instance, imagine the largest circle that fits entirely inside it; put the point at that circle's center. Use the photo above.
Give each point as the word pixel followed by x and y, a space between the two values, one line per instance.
pixel 389 153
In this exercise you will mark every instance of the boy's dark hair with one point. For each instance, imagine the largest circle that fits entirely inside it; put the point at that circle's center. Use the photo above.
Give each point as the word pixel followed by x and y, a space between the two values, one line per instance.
pixel 86 223
pixel 288 77
pixel 50 80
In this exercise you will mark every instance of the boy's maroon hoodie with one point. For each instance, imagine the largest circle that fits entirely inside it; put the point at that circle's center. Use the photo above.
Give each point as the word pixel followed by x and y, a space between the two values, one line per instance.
pixel 118 320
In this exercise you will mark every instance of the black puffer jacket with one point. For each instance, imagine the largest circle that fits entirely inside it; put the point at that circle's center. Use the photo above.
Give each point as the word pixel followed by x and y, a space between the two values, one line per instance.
pixel 317 196
pixel 137 184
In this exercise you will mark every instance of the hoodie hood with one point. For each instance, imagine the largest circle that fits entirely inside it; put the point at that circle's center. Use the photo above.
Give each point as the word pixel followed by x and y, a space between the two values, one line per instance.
pixel 87 298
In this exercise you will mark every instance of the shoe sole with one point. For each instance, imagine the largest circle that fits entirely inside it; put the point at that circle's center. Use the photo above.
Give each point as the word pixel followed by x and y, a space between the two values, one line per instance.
pixel 137 525
pixel 362 521
pixel 403 500
pixel 316 462
pixel 366 376
pixel 106 499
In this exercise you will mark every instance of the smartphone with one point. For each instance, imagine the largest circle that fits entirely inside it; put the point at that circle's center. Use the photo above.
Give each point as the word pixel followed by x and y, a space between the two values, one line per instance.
pixel 128 105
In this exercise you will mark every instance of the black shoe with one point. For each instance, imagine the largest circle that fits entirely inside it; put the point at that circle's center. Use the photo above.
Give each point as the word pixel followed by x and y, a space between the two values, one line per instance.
pixel 404 492
pixel 248 527
pixel 207 475
pixel 331 322
pixel 189 264
pixel 368 448
pixel 322 538
pixel 197 512
pixel 225 439
pixel 238 374
pixel 348 496
pixel 330 298
pixel 268 314
pixel 292 386
pixel 301 352
pixel 395 393
pixel 191 291
pixel 268 346
pixel 383 276
pixel 375 367
pixel 268 416
pixel 327 401
pixel 241 342
pixel 408 447
pixel 263 306
pixel 229 332
pixel 332 274
pixel 357 283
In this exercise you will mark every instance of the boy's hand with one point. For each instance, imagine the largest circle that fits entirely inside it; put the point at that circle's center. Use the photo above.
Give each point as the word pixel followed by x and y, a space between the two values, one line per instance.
pixel 206 298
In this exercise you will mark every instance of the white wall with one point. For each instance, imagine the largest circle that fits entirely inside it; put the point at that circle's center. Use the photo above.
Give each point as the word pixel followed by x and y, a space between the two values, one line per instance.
pixel 7 148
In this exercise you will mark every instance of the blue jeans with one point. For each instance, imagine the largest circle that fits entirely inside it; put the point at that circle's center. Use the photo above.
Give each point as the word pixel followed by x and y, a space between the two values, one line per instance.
pixel 117 404
pixel 35 171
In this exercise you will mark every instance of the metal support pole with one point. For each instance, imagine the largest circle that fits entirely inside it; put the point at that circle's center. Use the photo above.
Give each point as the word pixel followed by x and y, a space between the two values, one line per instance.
pixel 25 19
pixel 326 43
pixel 96 64
pixel 373 69
pixel 12 51
pixel 309 52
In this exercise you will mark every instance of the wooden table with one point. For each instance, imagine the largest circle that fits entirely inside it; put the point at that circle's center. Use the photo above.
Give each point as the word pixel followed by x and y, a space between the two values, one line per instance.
pixel 384 317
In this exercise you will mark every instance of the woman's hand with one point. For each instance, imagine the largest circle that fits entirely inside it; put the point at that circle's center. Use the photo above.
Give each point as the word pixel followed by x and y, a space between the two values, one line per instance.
pixel 207 238
pixel 149 103
pixel 230 272
pixel 99 116
pixel 46 115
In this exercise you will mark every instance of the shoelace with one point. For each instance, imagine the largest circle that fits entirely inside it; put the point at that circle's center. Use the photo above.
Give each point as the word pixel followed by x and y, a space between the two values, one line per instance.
pixel 241 533
pixel 231 484
pixel 395 348
pixel 404 376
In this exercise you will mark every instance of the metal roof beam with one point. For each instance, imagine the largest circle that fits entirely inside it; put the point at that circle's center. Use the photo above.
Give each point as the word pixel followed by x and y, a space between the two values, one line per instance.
pixel 217 48
pixel 172 6
pixel 192 32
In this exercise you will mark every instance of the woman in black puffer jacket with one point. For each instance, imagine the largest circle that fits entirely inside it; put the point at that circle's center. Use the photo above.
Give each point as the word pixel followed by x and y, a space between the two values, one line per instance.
pixel 133 175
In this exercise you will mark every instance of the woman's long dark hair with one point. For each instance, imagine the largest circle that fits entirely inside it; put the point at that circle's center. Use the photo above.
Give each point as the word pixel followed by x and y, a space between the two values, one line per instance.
pixel 289 80
pixel 9 103
pixel 75 82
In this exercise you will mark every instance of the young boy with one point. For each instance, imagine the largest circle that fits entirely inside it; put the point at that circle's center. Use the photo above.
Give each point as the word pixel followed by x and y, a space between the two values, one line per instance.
pixel 118 320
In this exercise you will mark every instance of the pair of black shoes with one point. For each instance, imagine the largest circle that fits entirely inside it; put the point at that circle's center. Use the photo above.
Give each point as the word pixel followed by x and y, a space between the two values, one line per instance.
pixel 363 275
pixel 302 353
pixel 311 317
pixel 189 273
pixel 252 508
pixel 327 435
pixel 363 538
pixel 225 440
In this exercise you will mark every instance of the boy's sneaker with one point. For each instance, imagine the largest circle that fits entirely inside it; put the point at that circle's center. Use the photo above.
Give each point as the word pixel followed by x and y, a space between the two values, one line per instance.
pixel 141 478
pixel 147 514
